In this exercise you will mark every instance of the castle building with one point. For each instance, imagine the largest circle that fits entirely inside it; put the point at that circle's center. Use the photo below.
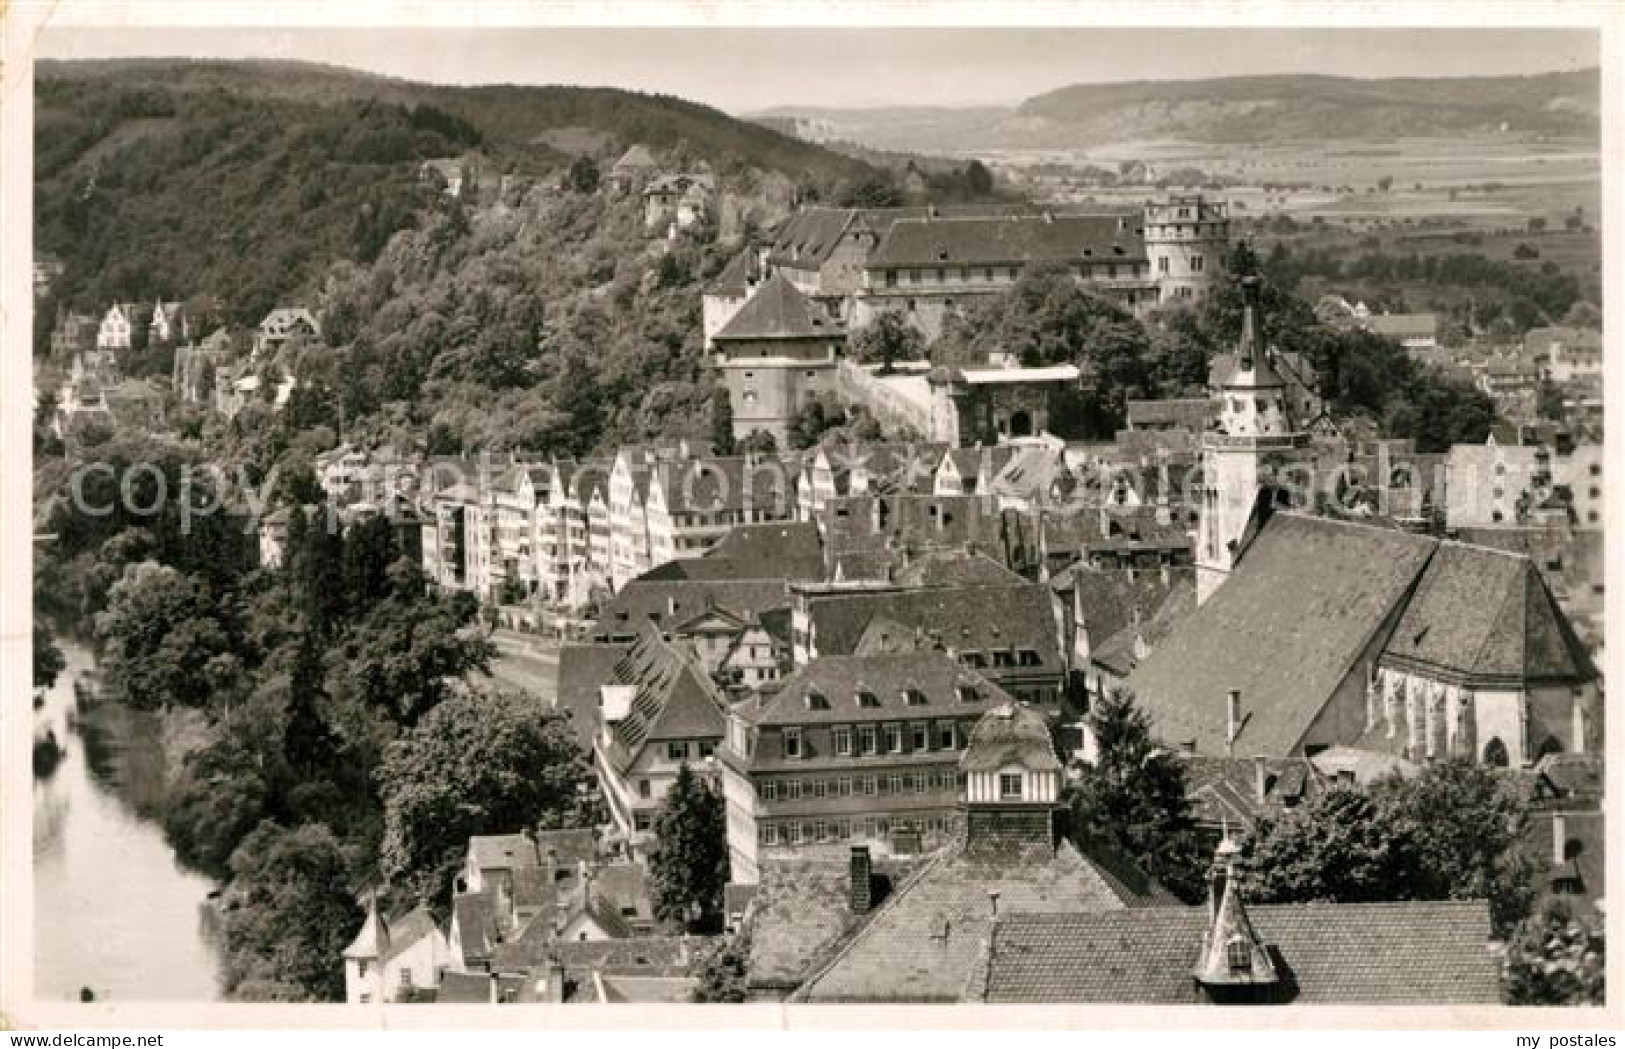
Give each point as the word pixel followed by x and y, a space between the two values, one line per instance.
pixel 777 354
pixel 973 406
pixel 1243 457
pixel 1186 238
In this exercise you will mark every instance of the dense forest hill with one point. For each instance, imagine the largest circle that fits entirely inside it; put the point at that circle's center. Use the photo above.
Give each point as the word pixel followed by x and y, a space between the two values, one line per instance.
pixel 1253 109
pixel 246 180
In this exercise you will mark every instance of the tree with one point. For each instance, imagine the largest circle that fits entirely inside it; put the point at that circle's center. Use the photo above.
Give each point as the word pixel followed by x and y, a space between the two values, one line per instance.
pixel 723 973
pixel 722 422
pixel 1465 830
pixel 583 176
pixel 978 179
pixel 1454 831
pixel 890 338
pixel 289 915
pixel 482 762
pixel 162 643
pixel 1133 798
pixel 48 661
pixel 689 866
pixel 1556 959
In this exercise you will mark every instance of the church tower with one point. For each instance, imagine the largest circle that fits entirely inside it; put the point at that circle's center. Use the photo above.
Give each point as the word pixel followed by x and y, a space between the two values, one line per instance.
pixel 1256 436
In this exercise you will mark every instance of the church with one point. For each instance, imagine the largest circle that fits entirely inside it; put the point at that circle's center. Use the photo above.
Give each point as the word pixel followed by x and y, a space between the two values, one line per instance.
pixel 1312 632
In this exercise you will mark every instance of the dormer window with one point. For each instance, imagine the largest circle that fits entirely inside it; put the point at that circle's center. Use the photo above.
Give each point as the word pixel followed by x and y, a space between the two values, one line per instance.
pixel 968 694
pixel 914 697
pixel 1010 785
pixel 792 742
pixel 868 700
pixel 1238 955
pixel 817 701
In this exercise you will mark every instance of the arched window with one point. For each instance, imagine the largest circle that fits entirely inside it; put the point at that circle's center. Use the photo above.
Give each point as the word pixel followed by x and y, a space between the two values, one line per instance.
pixel 1495 753
pixel 1549 745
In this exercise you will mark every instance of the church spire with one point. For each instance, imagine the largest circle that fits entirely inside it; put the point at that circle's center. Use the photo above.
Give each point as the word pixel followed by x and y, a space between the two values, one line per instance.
pixel 1232 954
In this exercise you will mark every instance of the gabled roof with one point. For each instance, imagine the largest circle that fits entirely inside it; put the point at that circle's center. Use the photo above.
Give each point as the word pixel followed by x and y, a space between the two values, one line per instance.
pixel 674 699
pixel 1225 791
pixel 808 238
pixel 1285 628
pixel 1484 616
pixel 1416 952
pixel 502 851
pixel 668 602
pixel 779 311
pixel 956 568
pixel 971 618
pixel 1009 240
pixel 409 930
pixel 473 914
pixel 636 158
pixel 928 941
pixel 884 677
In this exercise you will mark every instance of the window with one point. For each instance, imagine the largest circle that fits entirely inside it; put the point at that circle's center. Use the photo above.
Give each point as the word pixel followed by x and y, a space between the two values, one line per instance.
pixel 895 782
pixel 843 787
pixel 1162 264
pixel 868 784
pixel 945 735
pixel 911 305
pixel 643 788
pixel 968 694
pixel 817 701
pixel 820 830
pixel 1009 784
pixel 794 830
pixel 868 700
pixel 1004 658
pixel 866 739
pixel 1238 955
pixel 818 788
pixel 406 977
pixel 361 968
pixel 891 278
pixel 842 735
pixel 677 750
pixel 1028 657
pixel 913 697
pixel 1196 264
pixel 707 747
pixel 641 821
pixel 792 742
pixel 894 739
pixel 792 790
pixel 769 790
pixel 920 737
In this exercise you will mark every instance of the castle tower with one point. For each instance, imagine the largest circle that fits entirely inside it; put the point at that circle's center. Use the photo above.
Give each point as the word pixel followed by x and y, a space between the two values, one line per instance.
pixel 1233 964
pixel 1256 438
pixel 364 960
pixel 1186 239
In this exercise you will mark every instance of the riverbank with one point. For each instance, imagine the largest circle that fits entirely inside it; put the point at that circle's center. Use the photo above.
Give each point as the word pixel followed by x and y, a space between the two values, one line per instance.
pixel 114 910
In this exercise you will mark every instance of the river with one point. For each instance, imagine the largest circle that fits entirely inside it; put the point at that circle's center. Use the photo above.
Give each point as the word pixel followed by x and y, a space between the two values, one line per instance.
pixel 113 908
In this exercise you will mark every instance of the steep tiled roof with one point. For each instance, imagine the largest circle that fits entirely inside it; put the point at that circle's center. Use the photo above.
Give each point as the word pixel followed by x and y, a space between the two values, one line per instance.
pixel 801 908
pixel 570 845
pixel 647 989
pixel 475 916
pixel 674 699
pixel 640 956
pixel 583 669
pixel 1171 602
pixel 765 548
pixel 408 930
pixel 1286 628
pixel 840 680
pixel 1486 616
pixel 1425 953
pixel 972 618
pixel 669 602
pixel 636 158
pixel 929 940
pixel 779 311
pixel 1022 239
pixel 1224 790
pixel 955 568
pixel 807 238
pixel 719 483
pixel 736 278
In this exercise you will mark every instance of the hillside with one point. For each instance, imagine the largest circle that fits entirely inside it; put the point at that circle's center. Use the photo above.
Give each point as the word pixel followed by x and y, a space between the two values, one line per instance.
pixel 247 180
pixel 1275 108
pixel 1241 110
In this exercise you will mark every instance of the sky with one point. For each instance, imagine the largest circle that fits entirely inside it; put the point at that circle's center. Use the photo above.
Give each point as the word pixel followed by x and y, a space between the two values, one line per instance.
pixel 746 70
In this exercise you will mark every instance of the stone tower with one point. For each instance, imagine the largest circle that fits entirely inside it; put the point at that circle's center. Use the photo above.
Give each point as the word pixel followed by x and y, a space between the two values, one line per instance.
pixel 1255 439
pixel 1186 239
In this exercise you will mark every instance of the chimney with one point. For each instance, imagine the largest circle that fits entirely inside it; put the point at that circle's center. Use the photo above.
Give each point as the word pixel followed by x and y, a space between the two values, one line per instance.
pixel 1560 837
pixel 861 876
pixel 1232 720
pixel 1260 779
pixel 671 608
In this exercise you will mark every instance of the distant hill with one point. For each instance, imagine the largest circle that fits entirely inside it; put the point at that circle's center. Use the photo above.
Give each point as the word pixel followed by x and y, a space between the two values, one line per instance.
pixel 249 179
pixel 1257 109
pixel 1275 108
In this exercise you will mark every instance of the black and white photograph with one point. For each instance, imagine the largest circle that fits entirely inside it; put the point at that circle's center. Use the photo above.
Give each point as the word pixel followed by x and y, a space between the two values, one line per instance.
pixel 894 510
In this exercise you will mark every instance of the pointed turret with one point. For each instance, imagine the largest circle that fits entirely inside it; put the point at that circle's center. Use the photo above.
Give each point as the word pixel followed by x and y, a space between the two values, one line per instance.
pixel 373 940
pixel 1232 954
